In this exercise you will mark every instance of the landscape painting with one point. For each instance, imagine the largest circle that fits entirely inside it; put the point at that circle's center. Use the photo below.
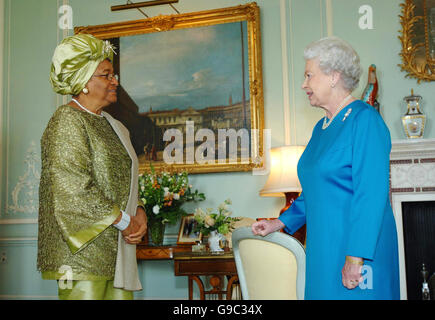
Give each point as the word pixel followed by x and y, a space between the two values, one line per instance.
pixel 185 93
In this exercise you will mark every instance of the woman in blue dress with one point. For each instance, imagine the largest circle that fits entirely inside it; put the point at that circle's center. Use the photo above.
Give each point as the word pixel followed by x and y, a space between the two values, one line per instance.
pixel 351 243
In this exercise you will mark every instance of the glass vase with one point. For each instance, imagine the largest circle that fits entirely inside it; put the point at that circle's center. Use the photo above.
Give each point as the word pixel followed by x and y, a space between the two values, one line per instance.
pixel 157 231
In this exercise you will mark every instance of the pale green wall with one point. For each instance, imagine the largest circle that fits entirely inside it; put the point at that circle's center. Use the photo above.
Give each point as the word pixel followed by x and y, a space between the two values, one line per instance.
pixel 30 36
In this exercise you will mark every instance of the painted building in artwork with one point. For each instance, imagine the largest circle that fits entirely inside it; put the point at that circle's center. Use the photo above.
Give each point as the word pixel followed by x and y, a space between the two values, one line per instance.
pixel 235 116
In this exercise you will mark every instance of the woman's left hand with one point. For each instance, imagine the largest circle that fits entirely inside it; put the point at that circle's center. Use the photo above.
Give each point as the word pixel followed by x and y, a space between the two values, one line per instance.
pixel 141 220
pixel 351 272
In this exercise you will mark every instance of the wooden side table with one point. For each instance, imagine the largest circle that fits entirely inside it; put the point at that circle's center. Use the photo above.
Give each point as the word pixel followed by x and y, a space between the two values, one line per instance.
pixel 147 252
pixel 195 264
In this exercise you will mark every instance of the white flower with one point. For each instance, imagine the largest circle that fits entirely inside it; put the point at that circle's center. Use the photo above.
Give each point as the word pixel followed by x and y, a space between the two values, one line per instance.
pixel 222 207
pixel 176 196
pixel 209 221
pixel 142 188
pixel 166 189
pixel 227 213
pixel 156 209
pixel 200 213
pixel 228 201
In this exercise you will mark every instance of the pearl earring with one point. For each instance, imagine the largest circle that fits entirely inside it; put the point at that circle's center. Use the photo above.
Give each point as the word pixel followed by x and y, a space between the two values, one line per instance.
pixel 85 90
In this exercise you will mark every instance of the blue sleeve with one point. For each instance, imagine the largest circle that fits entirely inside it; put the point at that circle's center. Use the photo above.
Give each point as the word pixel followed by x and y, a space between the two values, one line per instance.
pixel 294 216
pixel 370 178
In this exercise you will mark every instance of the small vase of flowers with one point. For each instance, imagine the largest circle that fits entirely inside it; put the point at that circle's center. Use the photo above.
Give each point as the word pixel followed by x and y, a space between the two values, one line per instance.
pixel 215 224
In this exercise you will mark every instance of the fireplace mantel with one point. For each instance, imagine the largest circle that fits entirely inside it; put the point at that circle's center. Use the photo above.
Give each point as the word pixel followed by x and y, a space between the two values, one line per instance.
pixel 404 149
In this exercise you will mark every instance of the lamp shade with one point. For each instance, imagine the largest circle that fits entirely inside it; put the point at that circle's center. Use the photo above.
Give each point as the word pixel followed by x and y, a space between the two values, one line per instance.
pixel 283 175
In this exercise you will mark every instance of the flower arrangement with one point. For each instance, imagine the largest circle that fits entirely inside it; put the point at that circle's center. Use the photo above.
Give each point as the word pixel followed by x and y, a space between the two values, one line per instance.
pixel 208 221
pixel 164 193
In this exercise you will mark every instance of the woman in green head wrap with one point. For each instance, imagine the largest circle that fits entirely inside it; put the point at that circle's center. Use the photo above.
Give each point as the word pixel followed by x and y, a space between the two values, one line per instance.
pixel 90 215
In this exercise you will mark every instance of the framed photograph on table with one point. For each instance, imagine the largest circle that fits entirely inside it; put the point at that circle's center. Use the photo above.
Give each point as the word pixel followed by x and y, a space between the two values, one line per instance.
pixel 190 88
pixel 186 235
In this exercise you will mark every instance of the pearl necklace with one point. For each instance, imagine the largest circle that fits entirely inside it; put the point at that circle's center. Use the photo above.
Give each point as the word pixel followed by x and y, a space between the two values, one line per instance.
pixel 79 104
pixel 342 105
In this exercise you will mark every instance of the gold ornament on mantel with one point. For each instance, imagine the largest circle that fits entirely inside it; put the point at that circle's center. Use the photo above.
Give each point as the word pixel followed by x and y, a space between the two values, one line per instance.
pixel 414 120
pixel 417 61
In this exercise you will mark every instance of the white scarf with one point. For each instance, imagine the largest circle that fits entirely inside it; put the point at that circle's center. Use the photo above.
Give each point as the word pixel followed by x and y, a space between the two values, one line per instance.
pixel 126 274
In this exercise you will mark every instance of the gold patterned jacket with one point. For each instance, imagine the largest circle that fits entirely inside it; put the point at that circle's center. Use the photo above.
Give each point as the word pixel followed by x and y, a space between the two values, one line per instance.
pixel 85 181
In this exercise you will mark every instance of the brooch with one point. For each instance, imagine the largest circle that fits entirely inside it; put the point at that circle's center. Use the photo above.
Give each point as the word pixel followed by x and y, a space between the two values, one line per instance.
pixel 347 114
pixel 108 46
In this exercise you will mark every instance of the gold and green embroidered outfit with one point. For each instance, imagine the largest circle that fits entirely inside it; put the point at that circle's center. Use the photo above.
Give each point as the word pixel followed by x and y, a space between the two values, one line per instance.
pixel 85 181
pixel 93 290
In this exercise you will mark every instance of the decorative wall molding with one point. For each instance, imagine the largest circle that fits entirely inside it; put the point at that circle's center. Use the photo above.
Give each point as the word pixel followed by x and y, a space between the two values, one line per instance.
pixel 412 166
pixel 11 242
pixel 25 193
pixel 329 18
pixel 61 34
pixel 285 70
pixel 2 32
pixel 5 107
pixel 18 221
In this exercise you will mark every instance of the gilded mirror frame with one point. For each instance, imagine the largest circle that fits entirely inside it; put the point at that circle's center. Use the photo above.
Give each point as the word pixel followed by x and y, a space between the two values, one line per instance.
pixel 416 66
pixel 249 14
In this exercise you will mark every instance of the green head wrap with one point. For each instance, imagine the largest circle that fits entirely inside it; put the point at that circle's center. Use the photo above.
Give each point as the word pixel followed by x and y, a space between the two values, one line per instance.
pixel 75 60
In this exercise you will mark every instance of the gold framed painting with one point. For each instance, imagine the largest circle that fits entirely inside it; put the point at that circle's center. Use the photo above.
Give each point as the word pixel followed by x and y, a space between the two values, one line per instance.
pixel 418 39
pixel 190 88
pixel 186 234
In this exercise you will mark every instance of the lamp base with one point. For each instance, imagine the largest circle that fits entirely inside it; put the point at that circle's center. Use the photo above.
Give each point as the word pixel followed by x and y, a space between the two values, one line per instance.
pixel 300 234
pixel 290 197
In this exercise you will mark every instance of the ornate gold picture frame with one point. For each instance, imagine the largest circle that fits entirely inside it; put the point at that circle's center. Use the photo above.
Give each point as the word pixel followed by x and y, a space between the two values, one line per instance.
pixel 197 74
pixel 418 40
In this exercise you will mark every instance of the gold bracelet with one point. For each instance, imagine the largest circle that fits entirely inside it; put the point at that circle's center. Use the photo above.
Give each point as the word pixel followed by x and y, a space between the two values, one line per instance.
pixel 354 261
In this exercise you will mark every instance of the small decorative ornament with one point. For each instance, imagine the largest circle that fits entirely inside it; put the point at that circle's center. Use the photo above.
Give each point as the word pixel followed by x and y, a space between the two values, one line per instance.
pixel 347 114
pixel 85 90
pixel 108 46
pixel 425 286
pixel 371 90
pixel 414 120
pixel 341 106
pixel 198 247
pixel 214 240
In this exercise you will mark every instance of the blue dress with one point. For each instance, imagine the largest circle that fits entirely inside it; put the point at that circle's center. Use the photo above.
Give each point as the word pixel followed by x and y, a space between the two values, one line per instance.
pixel 344 173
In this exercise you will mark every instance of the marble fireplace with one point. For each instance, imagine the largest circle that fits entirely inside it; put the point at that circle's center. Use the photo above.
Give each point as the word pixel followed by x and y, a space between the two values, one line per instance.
pixel 412 180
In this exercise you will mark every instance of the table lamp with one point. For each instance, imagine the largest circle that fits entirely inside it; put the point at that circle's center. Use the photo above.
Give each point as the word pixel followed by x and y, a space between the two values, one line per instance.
pixel 283 178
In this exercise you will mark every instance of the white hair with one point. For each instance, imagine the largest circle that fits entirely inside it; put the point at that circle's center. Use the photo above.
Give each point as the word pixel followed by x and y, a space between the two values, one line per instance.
pixel 335 54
